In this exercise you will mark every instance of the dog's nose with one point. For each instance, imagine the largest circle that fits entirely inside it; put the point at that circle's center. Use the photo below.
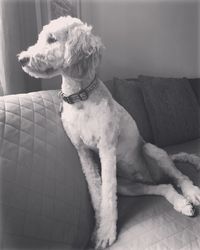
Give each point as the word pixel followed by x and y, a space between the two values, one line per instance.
pixel 24 60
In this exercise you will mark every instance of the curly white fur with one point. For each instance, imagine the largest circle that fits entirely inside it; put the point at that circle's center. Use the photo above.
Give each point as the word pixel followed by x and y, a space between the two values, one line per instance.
pixel 67 47
pixel 188 158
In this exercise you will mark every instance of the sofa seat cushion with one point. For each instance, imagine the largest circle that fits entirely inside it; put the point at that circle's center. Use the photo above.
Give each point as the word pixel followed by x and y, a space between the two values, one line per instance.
pixel 172 108
pixel 128 93
pixel 44 200
pixel 150 222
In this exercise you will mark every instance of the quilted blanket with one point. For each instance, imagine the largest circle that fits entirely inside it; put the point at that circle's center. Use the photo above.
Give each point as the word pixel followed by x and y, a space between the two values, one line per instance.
pixel 151 223
pixel 44 201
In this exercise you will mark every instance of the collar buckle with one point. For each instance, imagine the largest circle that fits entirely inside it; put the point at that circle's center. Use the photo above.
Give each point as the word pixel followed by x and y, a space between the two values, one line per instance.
pixel 68 99
pixel 83 95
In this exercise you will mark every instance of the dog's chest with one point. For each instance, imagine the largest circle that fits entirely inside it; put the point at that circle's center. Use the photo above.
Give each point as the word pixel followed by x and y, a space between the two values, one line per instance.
pixel 84 124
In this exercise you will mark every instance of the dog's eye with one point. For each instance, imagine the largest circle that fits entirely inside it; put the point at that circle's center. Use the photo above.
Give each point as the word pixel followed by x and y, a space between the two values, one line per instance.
pixel 51 39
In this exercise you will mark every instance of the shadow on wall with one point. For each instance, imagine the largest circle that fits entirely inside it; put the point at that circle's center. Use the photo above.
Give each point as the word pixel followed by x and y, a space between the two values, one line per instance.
pixel 146 37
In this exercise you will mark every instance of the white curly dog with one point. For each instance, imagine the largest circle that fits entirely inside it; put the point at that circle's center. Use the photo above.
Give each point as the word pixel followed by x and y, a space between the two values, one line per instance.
pixel 94 121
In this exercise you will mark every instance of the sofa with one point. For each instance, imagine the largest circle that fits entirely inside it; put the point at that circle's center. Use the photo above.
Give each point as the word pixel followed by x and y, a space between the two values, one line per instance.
pixel 44 200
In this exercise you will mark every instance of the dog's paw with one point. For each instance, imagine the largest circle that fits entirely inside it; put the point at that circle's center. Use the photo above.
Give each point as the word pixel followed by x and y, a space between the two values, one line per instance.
pixel 192 194
pixel 184 206
pixel 105 237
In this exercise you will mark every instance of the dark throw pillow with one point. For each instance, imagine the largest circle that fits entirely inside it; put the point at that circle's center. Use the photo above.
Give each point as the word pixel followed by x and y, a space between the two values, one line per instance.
pixel 173 109
pixel 195 83
pixel 129 95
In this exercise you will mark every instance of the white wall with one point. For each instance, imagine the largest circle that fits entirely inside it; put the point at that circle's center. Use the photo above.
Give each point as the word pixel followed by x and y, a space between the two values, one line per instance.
pixel 146 37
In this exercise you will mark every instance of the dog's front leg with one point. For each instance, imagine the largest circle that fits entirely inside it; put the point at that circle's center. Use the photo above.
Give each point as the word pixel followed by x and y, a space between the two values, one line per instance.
pixel 106 233
pixel 90 169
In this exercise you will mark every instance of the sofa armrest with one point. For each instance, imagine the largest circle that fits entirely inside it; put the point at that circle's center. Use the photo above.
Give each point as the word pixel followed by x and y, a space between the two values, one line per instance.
pixel 44 199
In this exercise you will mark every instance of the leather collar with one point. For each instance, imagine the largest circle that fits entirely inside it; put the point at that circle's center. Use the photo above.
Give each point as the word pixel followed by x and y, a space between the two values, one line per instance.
pixel 82 95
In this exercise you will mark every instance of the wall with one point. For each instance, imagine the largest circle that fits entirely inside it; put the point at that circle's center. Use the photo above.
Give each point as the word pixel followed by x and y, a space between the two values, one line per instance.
pixel 146 37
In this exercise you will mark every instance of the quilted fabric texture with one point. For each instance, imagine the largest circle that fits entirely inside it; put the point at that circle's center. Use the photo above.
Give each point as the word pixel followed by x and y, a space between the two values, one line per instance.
pixel 151 223
pixel 44 201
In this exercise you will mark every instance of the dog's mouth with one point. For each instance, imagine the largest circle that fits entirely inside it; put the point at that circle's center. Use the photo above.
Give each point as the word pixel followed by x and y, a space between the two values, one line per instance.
pixel 47 73
pixel 49 70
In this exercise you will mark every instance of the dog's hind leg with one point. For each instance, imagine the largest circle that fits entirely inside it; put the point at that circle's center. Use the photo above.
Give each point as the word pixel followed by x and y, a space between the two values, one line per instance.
pixel 162 160
pixel 188 158
pixel 179 203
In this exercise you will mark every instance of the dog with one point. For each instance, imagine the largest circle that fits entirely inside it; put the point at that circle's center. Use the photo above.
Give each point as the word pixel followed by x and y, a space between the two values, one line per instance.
pixel 94 121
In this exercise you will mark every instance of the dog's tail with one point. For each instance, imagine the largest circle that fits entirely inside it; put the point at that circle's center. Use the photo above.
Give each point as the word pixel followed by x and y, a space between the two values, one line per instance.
pixel 188 158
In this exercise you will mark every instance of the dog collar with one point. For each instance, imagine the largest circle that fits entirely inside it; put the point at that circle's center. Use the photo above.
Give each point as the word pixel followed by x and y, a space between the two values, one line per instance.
pixel 82 95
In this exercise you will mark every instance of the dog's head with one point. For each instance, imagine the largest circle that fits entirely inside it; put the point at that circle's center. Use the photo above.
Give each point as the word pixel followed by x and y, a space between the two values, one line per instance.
pixel 65 46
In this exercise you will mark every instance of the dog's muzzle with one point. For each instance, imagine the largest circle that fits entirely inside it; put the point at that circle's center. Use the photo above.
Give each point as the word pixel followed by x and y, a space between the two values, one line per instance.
pixel 24 61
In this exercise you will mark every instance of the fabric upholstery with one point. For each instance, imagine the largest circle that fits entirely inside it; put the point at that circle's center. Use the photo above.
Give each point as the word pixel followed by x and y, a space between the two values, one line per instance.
pixel 195 83
pixel 151 223
pixel 44 200
pixel 110 85
pixel 129 95
pixel 173 109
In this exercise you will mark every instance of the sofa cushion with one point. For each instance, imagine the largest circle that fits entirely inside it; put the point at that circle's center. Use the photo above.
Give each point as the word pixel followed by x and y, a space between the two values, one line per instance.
pixel 150 222
pixel 173 109
pixel 195 83
pixel 44 200
pixel 109 84
pixel 129 95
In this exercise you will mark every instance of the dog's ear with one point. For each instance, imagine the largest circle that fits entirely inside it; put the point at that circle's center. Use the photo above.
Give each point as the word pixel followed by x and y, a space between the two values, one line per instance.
pixel 83 50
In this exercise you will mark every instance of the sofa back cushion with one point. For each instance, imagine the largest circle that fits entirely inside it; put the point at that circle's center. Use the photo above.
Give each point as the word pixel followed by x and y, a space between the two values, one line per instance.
pixel 129 95
pixel 172 108
pixel 110 85
pixel 195 84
